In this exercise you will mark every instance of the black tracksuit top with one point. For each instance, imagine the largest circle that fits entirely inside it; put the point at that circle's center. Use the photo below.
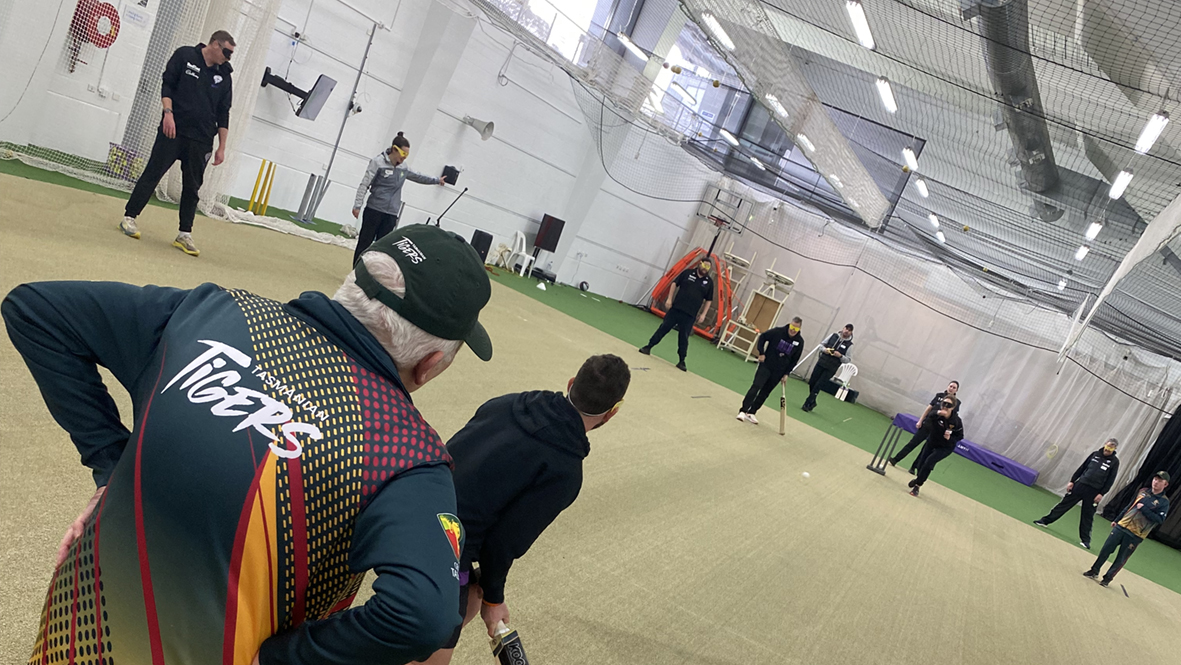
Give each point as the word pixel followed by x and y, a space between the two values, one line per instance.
pixel 201 95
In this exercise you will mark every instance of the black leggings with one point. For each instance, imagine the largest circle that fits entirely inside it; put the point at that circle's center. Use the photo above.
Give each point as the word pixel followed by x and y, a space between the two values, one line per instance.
pixel 374 225
pixel 919 437
pixel 927 461
pixel 193 156
pixel 764 384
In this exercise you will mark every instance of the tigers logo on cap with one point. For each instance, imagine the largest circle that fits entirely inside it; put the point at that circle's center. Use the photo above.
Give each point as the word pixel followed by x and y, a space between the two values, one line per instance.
pixel 454 530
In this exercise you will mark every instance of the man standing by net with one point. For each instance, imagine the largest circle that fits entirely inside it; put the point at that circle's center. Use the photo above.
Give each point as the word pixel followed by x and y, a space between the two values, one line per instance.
pixel 688 298
pixel 833 352
pixel 779 351
pixel 196 95
pixel 1147 511
pixel 1087 486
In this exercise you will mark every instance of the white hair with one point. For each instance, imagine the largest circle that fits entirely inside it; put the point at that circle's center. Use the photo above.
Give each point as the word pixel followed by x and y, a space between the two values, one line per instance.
pixel 406 343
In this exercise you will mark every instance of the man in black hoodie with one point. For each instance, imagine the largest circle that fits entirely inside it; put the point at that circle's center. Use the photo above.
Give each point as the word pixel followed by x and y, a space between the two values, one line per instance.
pixel 1088 485
pixel 195 96
pixel 946 429
pixel 779 351
pixel 518 464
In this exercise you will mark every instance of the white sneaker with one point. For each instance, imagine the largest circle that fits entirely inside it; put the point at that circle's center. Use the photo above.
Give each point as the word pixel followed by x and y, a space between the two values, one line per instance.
pixel 128 227
pixel 750 418
pixel 741 415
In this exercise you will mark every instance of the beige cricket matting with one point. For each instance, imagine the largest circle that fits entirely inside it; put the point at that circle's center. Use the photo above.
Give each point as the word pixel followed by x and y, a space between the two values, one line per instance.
pixel 695 539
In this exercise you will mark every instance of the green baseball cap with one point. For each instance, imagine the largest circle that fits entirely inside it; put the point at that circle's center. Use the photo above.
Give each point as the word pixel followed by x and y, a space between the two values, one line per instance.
pixel 446 285
pixel 1163 475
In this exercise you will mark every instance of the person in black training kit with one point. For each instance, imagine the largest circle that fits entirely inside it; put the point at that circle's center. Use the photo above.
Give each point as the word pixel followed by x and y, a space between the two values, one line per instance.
pixel 779 351
pixel 1088 485
pixel 835 351
pixel 688 298
pixel 921 433
pixel 1147 511
pixel 945 430
pixel 196 94
pixel 518 464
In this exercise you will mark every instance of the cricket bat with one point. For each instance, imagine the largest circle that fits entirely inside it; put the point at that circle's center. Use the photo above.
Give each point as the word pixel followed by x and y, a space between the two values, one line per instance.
pixel 507 647
pixel 782 409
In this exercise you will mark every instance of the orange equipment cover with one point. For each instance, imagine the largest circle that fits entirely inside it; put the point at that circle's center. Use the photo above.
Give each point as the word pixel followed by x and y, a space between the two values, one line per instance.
pixel 723 291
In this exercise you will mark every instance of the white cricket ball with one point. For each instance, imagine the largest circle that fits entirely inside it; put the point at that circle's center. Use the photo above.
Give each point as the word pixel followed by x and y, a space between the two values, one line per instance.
pixel 806 474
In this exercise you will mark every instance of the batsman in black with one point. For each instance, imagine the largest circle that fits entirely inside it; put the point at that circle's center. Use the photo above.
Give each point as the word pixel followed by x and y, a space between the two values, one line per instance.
pixel 687 301
pixel 1087 486
pixel 779 351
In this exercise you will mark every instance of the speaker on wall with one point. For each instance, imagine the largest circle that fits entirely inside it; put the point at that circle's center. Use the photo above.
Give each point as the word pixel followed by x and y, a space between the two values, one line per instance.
pixel 549 233
pixel 482 242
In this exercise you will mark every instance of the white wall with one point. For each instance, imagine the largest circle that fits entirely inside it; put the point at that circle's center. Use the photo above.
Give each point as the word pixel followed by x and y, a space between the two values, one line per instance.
pixel 527 169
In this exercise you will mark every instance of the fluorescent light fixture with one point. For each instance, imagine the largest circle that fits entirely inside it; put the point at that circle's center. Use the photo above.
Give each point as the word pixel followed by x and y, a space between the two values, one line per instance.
pixel 887 94
pixel 1061 284
pixel 729 137
pixel 1081 253
pixel 711 23
pixel 940 237
pixel 755 160
pixel 934 220
pixel 921 185
pixel 680 89
pixel 835 180
pixel 631 46
pixel 860 23
pixel 1120 184
pixel 777 107
pixel 1093 230
pixel 1151 132
pixel 802 139
pixel 911 160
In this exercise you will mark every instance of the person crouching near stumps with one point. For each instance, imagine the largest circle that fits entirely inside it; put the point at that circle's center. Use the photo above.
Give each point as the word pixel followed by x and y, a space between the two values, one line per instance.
pixel 1145 513
pixel 946 430
pixel 518 464
pixel 836 351
pixel 688 299
pixel 779 351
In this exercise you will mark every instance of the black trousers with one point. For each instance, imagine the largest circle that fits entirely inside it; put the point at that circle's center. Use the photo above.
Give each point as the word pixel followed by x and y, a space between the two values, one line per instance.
pixel 193 155
pixel 1120 538
pixel 1080 493
pixel 920 435
pixel 927 461
pixel 821 374
pixel 764 384
pixel 683 322
pixel 374 224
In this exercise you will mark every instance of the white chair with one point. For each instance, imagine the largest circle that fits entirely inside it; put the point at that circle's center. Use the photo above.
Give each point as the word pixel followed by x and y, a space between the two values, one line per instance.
pixel 518 252
pixel 843 376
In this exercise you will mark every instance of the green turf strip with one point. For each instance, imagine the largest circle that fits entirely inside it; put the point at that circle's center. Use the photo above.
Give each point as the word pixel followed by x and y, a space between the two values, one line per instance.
pixel 851 423
pixel 15 167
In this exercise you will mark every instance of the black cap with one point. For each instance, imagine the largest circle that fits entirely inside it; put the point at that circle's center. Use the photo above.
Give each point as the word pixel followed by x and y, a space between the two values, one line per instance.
pixel 446 285
pixel 1163 475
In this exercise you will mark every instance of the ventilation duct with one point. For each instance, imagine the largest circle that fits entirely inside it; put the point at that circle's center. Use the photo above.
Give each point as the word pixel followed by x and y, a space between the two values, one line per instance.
pixel 1004 27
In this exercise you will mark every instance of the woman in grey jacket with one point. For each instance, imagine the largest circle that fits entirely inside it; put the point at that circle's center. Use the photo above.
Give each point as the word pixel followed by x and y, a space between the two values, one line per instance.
pixel 383 180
